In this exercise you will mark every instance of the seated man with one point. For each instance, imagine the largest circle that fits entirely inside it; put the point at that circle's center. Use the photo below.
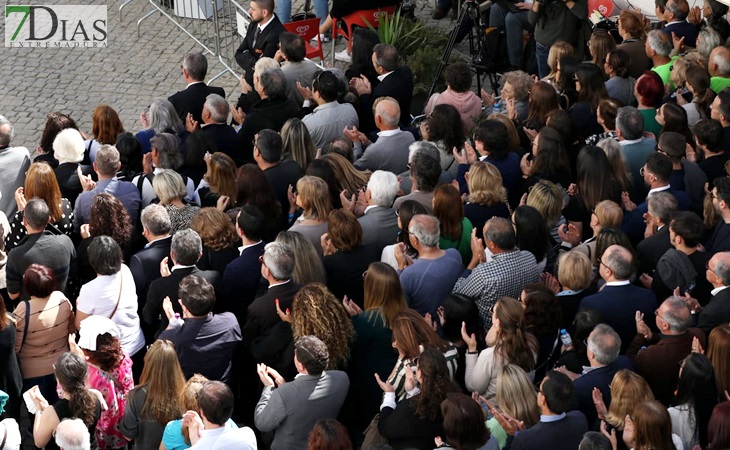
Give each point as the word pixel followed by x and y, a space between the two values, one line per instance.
pixel 558 429
pixel 185 251
pixel 424 174
pixel 379 222
pixel 204 342
pixel 297 69
pixel 290 409
pixel 190 101
pixel 512 18
pixel 208 431
pixel 330 117
pixel 262 36
pixel 215 128
pixel 390 151
pixel 427 281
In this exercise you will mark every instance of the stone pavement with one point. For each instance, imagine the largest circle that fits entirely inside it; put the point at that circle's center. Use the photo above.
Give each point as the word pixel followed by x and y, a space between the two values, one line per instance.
pixel 127 74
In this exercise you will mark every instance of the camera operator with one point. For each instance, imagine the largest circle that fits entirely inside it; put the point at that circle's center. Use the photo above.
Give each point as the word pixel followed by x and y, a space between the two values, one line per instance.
pixel 557 20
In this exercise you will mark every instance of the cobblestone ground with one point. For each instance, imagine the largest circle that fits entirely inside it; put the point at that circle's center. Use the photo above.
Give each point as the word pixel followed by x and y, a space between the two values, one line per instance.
pixel 127 74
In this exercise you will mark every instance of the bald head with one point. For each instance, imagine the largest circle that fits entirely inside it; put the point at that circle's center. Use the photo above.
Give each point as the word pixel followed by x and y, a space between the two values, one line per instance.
pixel 387 113
pixel 619 261
pixel 719 269
pixel 720 62
pixel 676 314
pixel 425 228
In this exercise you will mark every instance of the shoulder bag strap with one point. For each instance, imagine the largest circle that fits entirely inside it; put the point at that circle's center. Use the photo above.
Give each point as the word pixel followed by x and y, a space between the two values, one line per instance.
pixel 27 323
pixel 121 283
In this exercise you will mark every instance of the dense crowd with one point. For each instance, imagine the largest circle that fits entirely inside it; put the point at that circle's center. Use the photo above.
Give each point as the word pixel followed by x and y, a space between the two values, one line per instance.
pixel 320 273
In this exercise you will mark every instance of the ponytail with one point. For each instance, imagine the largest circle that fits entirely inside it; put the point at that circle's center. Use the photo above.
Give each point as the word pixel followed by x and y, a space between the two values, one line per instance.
pixel 82 404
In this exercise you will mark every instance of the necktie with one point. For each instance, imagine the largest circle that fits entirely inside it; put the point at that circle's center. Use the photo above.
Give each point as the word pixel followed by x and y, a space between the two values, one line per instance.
pixel 256 35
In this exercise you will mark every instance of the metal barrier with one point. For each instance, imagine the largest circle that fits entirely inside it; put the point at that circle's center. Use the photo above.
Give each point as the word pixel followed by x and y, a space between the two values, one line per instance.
pixel 218 26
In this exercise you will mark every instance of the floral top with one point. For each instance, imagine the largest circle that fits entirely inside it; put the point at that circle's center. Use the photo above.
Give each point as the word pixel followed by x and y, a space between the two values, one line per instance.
pixel 115 391
pixel 18 232
pixel 181 217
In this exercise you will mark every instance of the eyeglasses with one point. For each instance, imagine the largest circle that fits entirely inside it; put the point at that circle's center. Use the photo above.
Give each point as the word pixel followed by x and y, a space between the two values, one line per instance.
pixel 364 274
pixel 707 266
pixel 604 264
pixel 656 313
pixel 261 260
pixel 575 77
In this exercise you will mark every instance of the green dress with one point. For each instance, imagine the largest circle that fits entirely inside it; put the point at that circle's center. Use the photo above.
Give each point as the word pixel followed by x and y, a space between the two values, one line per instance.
pixel 463 244
pixel 650 123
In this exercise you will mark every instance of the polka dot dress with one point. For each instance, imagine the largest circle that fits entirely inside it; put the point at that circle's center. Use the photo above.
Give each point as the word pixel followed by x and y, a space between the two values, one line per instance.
pixel 18 231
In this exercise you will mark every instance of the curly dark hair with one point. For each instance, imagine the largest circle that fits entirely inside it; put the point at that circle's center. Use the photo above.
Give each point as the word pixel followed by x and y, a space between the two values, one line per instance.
pixel 108 354
pixel 55 123
pixel 458 76
pixel 543 315
pixel 435 386
pixel 109 217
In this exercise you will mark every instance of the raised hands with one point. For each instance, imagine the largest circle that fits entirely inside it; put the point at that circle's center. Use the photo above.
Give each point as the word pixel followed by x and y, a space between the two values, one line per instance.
pixel 283 315
pixel 469 339
pixel 599 403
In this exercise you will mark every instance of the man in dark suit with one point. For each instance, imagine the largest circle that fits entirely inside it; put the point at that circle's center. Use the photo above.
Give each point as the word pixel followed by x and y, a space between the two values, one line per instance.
pixel 191 100
pixel 281 174
pixel 243 274
pixel 661 206
pixel 277 266
pixel 215 128
pixel 290 409
pixel 145 264
pixel 717 311
pixel 618 301
pixel 262 36
pixel 379 222
pixel 604 360
pixel 559 428
pixel 185 251
pixel 675 13
pixel 395 81
pixel 657 355
pixel 271 112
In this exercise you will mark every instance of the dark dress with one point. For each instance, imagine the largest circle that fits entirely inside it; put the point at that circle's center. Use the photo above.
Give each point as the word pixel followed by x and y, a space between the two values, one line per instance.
pixel 217 259
pixel 344 273
pixel 63 410
pixel 11 381
pixel 479 214
pixel 146 433
pixel 405 430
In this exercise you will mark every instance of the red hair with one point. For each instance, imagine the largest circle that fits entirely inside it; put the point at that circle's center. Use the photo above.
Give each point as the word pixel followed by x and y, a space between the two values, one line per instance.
pixel 651 89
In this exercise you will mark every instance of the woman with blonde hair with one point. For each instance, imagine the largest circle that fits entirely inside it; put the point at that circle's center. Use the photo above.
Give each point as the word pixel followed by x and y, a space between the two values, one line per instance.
pixel 312 197
pixel 628 389
pixel 558 51
pixel 719 354
pixel 309 267
pixel 219 181
pixel 371 350
pixel 548 199
pixel 572 284
pixel 220 241
pixel 156 399
pixel 516 397
pixel 297 143
pixel 347 176
pixel 40 182
pixel 176 435
pixel 170 189
pixel 411 336
pixel 487 195
pixel 508 342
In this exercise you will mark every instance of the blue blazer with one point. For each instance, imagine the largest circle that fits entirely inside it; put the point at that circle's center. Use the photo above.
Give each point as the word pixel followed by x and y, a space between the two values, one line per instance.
pixel 241 281
pixel 684 29
pixel 601 378
pixel 618 305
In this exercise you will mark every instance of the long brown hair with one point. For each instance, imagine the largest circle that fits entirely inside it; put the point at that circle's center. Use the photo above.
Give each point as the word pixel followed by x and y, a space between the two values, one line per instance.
pixel 105 125
pixel 410 331
pixel 215 229
pixel 316 312
pixel 543 100
pixel 108 354
pixel 348 177
pixel 221 175
pixel 164 380
pixel 449 209
pixel 383 293
pixel 514 344
pixel 653 427
pixel 41 182
pixel 719 354
pixel 627 390
pixel 436 384
pixel 71 371
pixel 253 188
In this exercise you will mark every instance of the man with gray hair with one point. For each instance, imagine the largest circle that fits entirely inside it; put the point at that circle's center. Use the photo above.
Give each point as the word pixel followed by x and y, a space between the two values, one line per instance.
pixel 660 208
pixel 145 264
pixel 430 149
pixel 717 311
pixel 216 128
pixel 658 47
pixel 657 355
pixel 618 299
pixel 271 112
pixel 165 155
pixel 675 14
pixel 603 346
pixel 72 434
pixel 390 151
pixel 719 68
pixel 277 267
pixel 56 252
pixel 424 175
pixel 503 271
pixel 106 165
pixel 634 146
pixel 428 281
pixel 186 249
pixel 190 101
pixel 14 162
pixel 378 221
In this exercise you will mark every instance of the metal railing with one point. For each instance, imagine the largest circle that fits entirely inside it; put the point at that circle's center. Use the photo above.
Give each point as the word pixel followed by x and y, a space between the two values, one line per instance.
pixel 219 26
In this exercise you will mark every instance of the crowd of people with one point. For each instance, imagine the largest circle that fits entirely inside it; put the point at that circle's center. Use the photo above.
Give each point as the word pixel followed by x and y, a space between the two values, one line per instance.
pixel 319 273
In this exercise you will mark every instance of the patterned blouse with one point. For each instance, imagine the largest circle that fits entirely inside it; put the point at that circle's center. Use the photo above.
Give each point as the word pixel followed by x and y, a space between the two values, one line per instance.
pixel 114 387
pixel 181 217
pixel 18 232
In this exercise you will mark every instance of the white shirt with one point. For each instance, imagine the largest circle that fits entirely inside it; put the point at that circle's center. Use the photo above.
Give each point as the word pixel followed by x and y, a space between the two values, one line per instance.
pixel 382 77
pixel 99 297
pixel 388 132
pixel 618 283
pixel 629 142
pixel 659 189
pixel 244 247
pixel 715 291
pixel 262 26
pixel 225 438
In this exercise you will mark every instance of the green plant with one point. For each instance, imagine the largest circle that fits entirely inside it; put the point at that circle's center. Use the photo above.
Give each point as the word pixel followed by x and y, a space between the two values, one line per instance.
pixel 403 34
